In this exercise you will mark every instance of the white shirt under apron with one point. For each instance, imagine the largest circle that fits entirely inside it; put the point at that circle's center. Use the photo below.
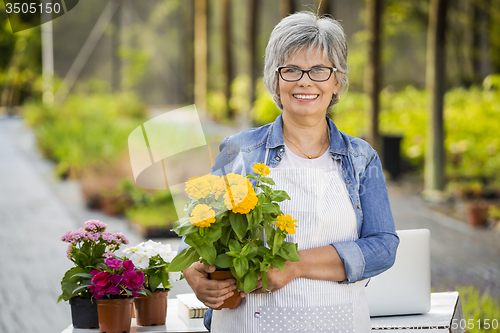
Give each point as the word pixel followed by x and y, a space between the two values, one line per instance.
pixel 324 213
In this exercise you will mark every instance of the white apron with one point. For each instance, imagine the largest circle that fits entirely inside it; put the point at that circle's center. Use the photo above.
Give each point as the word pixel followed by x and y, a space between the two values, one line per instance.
pixel 324 214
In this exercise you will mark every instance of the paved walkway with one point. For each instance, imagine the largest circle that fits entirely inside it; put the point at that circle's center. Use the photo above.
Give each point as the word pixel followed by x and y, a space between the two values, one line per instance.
pixel 35 210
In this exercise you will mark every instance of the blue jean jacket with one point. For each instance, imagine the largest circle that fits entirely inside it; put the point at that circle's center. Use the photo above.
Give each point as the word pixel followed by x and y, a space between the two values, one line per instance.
pixel 375 250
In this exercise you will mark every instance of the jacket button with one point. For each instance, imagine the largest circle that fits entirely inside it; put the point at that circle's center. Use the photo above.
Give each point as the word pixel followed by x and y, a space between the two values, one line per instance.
pixel 349 182
pixel 277 158
pixel 358 207
pixel 281 149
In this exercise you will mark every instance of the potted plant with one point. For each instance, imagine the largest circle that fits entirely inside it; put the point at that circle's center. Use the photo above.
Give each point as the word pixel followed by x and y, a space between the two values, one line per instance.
pixel 153 258
pixel 87 247
pixel 115 284
pixel 228 226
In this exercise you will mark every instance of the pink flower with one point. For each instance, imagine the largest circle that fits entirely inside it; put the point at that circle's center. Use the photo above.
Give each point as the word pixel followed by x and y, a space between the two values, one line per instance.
pixel 128 265
pixel 121 238
pixel 133 280
pixel 113 263
pixel 95 225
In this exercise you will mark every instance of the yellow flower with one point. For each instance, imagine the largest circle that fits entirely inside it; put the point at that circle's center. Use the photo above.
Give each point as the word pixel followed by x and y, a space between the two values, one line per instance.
pixel 241 198
pixel 235 179
pixel 286 223
pixel 261 169
pixel 198 187
pixel 211 179
pixel 202 216
pixel 219 188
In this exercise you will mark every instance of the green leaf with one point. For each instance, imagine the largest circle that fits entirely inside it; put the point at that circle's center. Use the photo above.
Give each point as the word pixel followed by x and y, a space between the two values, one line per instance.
pixel 271 208
pixel 288 251
pixel 223 261
pixel 245 250
pixel 239 224
pixel 195 239
pixel 208 253
pixel 226 234
pixel 270 231
pixel 183 260
pixel 234 245
pixel 154 281
pixel 278 262
pixel 83 275
pixel 278 241
pixel 183 226
pixel 251 176
pixel 213 234
pixel 250 220
pixel 266 189
pixel 279 196
pixel 267 180
pixel 240 267
pixel 250 281
pixel 265 281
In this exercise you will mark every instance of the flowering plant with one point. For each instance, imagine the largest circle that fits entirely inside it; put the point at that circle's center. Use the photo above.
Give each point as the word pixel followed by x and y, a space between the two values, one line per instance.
pixel 116 278
pixel 87 247
pixel 153 258
pixel 231 227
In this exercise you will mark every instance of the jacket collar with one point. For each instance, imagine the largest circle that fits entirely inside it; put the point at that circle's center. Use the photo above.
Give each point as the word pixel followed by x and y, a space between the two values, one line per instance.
pixel 275 136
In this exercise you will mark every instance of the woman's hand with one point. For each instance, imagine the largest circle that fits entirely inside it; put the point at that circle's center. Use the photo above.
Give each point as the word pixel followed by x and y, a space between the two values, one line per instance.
pixel 211 292
pixel 277 278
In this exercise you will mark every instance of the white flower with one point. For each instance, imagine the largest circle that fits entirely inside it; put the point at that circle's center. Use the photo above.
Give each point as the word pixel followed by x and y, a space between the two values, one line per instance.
pixel 140 260
pixel 174 276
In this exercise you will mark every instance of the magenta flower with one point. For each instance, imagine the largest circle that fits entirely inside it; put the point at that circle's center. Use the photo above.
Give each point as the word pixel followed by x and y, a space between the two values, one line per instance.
pixel 113 263
pixel 128 265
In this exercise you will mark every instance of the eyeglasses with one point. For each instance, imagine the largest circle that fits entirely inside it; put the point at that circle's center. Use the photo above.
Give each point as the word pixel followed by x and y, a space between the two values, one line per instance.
pixel 318 74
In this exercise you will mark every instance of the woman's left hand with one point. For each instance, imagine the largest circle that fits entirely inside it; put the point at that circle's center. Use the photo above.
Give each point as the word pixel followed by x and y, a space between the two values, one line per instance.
pixel 277 279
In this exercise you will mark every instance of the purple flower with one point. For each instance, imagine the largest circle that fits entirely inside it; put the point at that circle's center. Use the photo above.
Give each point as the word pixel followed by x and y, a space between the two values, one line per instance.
pixel 68 252
pixel 133 280
pixel 128 265
pixel 113 263
pixel 108 254
pixel 121 238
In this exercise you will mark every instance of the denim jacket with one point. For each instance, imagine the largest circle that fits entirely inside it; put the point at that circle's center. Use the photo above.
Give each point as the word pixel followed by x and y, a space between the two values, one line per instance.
pixel 375 250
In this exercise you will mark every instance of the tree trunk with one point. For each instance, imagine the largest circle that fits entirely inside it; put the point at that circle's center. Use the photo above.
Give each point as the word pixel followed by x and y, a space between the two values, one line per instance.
pixel 200 54
pixel 480 47
pixel 373 72
pixel 188 60
pixel 227 55
pixel 435 85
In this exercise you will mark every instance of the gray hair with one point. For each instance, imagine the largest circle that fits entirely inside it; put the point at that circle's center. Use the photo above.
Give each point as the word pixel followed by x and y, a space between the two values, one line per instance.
pixel 305 30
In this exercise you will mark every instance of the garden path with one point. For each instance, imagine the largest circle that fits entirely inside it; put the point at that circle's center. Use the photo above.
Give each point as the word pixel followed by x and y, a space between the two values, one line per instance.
pixel 35 210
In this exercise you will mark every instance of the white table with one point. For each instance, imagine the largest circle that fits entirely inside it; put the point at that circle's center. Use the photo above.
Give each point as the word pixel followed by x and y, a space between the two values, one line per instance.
pixel 446 313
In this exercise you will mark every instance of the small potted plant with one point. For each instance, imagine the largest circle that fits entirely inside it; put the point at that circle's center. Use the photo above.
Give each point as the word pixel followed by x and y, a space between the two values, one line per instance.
pixel 228 226
pixel 87 247
pixel 153 258
pixel 115 284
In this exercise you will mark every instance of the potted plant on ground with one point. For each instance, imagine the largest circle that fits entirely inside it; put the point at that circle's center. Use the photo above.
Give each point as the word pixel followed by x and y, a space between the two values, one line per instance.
pixel 153 258
pixel 87 247
pixel 228 226
pixel 115 284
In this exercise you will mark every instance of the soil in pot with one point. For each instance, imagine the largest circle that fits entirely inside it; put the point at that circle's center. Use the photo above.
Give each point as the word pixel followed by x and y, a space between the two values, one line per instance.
pixel 115 315
pixel 232 302
pixel 84 313
pixel 151 310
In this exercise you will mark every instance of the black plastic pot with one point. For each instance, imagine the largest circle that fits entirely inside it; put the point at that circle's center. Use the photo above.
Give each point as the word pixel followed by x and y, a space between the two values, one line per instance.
pixel 84 313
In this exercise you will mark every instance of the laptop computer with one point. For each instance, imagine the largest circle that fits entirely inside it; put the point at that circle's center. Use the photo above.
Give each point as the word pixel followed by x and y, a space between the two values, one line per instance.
pixel 405 288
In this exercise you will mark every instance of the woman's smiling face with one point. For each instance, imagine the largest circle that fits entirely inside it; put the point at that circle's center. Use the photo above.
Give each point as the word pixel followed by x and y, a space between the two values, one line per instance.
pixel 307 97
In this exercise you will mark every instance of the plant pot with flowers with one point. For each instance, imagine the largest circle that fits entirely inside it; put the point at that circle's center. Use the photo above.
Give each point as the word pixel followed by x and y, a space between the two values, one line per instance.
pixel 87 248
pixel 239 232
pixel 115 284
pixel 153 258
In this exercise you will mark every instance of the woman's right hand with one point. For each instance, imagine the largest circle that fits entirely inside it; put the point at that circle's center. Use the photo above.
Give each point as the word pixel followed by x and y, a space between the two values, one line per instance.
pixel 211 292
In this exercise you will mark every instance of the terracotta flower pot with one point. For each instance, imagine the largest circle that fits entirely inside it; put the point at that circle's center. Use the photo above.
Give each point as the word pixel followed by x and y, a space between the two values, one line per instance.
pixel 232 302
pixel 115 315
pixel 151 310
pixel 84 313
pixel 477 214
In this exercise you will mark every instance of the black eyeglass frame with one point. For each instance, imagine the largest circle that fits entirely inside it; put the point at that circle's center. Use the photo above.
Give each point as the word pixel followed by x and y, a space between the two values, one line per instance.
pixel 332 69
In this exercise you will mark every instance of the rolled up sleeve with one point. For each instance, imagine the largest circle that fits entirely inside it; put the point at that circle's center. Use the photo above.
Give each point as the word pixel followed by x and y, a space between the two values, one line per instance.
pixel 375 250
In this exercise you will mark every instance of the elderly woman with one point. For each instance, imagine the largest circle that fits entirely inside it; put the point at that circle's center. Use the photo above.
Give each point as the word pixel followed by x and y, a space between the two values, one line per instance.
pixel 346 232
